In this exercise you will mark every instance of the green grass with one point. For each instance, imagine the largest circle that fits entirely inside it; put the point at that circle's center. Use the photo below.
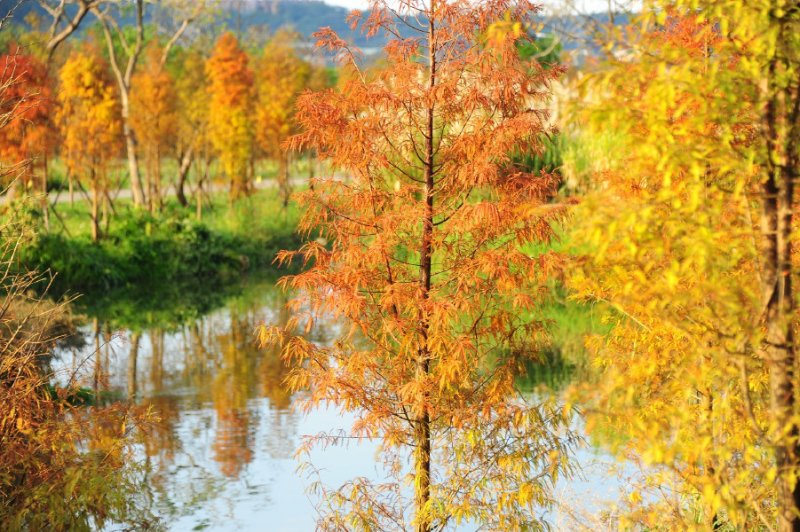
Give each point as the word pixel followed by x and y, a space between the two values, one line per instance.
pixel 140 249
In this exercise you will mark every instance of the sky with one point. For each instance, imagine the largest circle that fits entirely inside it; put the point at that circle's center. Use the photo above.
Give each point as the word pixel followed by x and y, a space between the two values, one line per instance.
pixel 349 4
pixel 584 6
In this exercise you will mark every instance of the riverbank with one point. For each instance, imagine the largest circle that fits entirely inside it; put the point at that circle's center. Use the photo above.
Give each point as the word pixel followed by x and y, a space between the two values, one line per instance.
pixel 140 249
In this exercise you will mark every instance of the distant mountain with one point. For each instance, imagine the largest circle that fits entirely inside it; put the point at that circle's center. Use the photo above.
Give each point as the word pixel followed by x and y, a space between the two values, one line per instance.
pixel 305 16
pixel 262 17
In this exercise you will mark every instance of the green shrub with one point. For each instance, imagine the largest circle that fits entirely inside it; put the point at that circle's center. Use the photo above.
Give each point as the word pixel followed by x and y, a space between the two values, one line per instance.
pixel 171 247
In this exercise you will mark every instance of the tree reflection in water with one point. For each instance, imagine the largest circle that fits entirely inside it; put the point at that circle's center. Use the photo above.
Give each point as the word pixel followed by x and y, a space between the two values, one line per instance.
pixel 220 400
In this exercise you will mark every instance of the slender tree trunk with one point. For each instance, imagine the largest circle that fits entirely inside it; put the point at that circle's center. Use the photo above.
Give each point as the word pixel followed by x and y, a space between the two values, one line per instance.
pixel 778 297
pixel 183 173
pixel 124 83
pixel 157 168
pixel 98 368
pixel 71 189
pixel 199 202
pixel 422 425
pixel 200 182
pixel 132 359
pixel 95 208
pixel 780 352
pixel 148 186
pixel 283 178
pixel 130 147
pixel 45 200
pixel 106 220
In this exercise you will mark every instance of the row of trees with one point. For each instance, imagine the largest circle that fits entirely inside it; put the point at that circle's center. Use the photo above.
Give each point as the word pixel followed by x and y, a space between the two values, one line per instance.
pixel 181 104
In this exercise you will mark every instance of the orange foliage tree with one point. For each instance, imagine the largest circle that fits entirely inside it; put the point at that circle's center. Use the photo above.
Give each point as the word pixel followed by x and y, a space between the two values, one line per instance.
pixel 88 109
pixel 26 137
pixel 427 267
pixel 230 124
pixel 154 118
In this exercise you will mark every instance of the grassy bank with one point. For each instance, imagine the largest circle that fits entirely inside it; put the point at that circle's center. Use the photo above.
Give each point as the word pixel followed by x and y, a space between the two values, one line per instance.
pixel 140 249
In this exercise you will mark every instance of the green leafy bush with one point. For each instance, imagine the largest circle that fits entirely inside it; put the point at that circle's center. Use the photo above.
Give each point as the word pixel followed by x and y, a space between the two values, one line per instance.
pixel 144 249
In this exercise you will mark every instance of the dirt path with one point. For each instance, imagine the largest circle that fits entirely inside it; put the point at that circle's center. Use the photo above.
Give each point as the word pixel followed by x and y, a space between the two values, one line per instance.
pixel 62 196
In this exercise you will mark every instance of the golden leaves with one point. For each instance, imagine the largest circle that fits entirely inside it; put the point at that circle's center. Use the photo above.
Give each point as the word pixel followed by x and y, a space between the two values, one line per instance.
pixel 88 108
pixel 671 255
pixel 230 124
pixel 153 106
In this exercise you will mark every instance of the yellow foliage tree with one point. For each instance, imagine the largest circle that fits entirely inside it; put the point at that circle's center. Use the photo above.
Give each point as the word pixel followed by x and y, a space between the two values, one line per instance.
pixel 230 123
pixel 192 108
pixel 89 109
pixel 281 77
pixel 689 235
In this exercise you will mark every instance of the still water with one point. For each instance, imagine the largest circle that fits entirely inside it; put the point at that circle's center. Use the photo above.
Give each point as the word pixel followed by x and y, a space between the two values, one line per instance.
pixel 221 453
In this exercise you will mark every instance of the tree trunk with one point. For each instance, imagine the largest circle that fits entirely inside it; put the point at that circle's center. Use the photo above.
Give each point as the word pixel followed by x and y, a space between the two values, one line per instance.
pixel 106 218
pixel 124 83
pixel 95 208
pixel 98 368
pixel 148 185
pixel 157 171
pixel 780 353
pixel 130 146
pixel 132 359
pixel 422 425
pixel 183 173
pixel 202 179
pixel 283 179
pixel 45 201
pixel 778 298
pixel 199 202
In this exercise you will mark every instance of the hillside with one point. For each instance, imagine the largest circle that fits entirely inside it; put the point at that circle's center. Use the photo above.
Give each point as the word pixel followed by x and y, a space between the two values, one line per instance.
pixel 305 16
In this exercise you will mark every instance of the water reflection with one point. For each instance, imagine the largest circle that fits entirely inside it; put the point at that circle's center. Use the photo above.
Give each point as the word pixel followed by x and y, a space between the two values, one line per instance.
pixel 220 454
pixel 219 399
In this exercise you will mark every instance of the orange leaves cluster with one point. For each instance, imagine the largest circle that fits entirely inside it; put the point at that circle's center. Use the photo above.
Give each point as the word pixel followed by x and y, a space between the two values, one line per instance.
pixel 26 129
pixel 153 105
pixel 231 79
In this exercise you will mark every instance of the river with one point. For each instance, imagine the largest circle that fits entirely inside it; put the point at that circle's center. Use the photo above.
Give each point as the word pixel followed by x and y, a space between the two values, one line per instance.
pixel 221 453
